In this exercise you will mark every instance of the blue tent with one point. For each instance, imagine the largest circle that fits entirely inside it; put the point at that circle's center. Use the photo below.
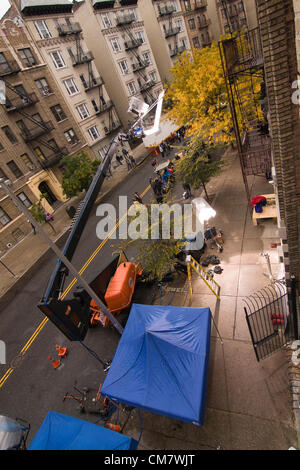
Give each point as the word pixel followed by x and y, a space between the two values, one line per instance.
pixel 161 363
pixel 61 432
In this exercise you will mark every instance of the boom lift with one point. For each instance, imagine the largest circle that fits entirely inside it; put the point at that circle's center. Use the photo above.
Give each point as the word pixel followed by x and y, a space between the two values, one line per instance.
pixel 114 285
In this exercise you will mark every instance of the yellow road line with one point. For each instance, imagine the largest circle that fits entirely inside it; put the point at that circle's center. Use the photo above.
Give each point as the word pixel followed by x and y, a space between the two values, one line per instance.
pixel 67 290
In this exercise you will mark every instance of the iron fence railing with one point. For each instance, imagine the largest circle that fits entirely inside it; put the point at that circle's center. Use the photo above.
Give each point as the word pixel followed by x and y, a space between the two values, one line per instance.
pixel 268 318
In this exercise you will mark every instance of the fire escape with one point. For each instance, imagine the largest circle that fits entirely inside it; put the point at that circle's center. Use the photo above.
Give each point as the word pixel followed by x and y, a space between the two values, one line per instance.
pixel 243 67
pixel 138 65
pixel 172 31
pixel 79 57
pixel 17 101
pixel 235 15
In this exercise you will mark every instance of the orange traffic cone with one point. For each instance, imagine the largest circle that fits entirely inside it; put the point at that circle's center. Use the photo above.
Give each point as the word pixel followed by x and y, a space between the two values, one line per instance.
pixel 55 362
pixel 113 427
pixel 62 352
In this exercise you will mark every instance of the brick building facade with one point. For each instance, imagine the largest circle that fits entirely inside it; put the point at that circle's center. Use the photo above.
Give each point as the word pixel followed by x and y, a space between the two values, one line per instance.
pixel 278 35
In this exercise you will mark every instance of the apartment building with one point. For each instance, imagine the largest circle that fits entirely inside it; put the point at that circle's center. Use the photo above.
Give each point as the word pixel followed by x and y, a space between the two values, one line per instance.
pixel 165 25
pixel 36 129
pixel 197 23
pixel 123 52
pixel 60 41
pixel 230 16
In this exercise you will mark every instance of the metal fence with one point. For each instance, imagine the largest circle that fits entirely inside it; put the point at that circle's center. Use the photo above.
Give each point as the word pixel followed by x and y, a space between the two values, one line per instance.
pixel 268 318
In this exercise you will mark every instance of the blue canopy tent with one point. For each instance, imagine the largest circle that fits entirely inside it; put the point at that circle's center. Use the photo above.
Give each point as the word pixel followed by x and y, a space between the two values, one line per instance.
pixel 61 432
pixel 161 363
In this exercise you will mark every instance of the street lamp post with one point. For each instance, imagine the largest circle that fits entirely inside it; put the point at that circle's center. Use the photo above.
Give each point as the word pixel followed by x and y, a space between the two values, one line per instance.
pixel 4 184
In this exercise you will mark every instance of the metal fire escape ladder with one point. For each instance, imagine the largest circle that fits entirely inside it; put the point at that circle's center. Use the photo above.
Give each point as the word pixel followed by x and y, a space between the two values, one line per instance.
pixel 229 15
pixel 132 51
pixel 30 118
pixel 243 68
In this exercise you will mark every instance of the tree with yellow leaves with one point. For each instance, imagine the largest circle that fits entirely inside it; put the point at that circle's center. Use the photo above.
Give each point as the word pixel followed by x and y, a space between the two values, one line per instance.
pixel 197 96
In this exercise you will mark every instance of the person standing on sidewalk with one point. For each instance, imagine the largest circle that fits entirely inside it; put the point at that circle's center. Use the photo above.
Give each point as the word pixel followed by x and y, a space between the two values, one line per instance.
pixel 125 152
pixel 162 149
pixel 119 159
pixel 33 227
pixel 132 160
pixel 187 191
pixel 129 164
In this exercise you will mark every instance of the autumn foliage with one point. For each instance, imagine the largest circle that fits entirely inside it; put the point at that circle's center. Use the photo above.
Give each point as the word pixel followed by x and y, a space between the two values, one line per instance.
pixel 197 96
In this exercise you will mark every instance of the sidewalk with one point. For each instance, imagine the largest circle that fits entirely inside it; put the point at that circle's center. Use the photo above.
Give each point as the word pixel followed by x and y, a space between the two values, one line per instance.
pixel 248 402
pixel 30 250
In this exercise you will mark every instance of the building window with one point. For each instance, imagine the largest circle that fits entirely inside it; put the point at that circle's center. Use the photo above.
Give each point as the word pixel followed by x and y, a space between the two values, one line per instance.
pixel 84 82
pixel 57 59
pixel 53 144
pixel 71 137
pixel 24 199
pixel 27 57
pixel 192 23
pixel 4 66
pixel 196 42
pixel 71 86
pixel 43 87
pixel 37 117
pixel 14 169
pixel 124 67
pixel 223 13
pixel 27 162
pixel 106 20
pixel 115 45
pixel 42 29
pixel 4 218
pixel 94 133
pixel 131 88
pixel 179 25
pixel 184 43
pixel 147 58
pixel 187 5
pixel 83 111
pixel 140 36
pixel 95 106
pixel 153 76
pixel 9 134
pixel 39 153
pixel 58 113
pixel 132 13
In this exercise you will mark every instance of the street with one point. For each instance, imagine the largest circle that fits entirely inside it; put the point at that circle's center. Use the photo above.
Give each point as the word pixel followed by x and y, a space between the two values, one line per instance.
pixel 30 390
pixel 247 404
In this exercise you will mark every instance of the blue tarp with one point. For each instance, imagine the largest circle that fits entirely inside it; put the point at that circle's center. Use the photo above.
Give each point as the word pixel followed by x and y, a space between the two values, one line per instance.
pixel 161 363
pixel 61 432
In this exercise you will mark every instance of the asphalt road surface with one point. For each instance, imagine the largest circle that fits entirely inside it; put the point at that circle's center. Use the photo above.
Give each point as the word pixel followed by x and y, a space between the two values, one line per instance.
pixel 29 385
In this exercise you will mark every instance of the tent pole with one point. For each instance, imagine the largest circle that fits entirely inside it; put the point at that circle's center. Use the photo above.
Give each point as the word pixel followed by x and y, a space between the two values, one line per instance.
pixel 216 327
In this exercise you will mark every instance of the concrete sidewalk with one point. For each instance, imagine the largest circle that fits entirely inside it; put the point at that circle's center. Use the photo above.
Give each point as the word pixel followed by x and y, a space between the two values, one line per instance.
pixel 18 261
pixel 248 402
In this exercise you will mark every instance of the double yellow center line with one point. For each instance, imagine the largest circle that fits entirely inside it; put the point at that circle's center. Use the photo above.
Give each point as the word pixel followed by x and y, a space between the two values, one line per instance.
pixel 72 283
